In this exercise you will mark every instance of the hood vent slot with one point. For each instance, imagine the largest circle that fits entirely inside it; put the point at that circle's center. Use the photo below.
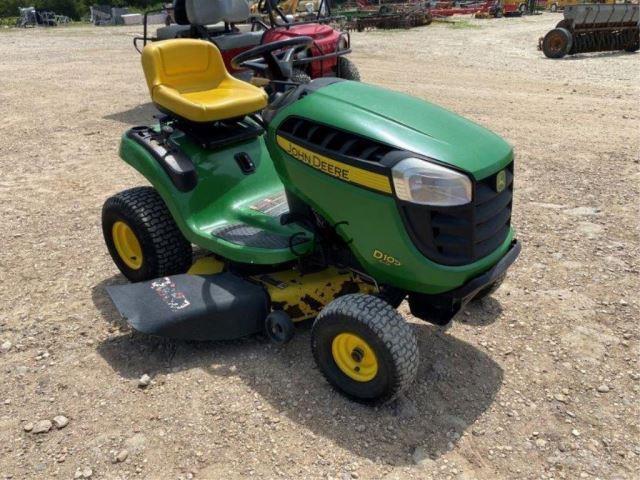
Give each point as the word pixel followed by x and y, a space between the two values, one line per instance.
pixel 332 141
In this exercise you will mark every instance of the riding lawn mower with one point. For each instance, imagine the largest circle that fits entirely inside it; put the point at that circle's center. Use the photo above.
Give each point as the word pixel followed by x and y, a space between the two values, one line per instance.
pixel 330 201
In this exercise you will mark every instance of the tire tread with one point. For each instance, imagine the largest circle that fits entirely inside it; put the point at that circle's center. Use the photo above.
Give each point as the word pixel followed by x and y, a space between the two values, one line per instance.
pixel 388 325
pixel 172 252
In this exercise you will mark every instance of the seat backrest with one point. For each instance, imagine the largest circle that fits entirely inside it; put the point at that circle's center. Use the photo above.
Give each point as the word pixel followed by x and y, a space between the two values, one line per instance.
pixel 207 12
pixel 180 12
pixel 183 64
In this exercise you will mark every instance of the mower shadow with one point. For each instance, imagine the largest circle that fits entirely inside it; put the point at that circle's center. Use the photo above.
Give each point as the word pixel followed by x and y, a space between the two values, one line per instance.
pixel 456 383
pixel 103 304
pixel 480 313
pixel 138 115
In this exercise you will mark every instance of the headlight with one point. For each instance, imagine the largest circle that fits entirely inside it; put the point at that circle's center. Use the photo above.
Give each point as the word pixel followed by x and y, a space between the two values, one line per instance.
pixel 419 181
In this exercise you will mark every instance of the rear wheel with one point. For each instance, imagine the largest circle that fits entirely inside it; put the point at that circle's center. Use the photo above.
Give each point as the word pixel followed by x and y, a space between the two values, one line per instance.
pixel 557 43
pixel 554 7
pixel 347 69
pixel 142 237
pixel 364 348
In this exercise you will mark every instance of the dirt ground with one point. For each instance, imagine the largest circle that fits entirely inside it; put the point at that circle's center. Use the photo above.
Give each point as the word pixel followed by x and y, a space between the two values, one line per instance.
pixel 539 382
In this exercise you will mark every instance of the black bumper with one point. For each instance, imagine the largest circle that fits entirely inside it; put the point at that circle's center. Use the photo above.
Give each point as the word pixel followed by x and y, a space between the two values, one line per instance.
pixel 442 307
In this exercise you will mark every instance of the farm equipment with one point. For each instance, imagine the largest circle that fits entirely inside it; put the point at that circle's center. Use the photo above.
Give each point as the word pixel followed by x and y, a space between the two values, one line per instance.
pixel 594 28
pixel 332 200
pixel 487 8
pixel 30 17
pixel 388 16
pixel 101 15
pixel 219 21
pixel 314 8
pixel 555 5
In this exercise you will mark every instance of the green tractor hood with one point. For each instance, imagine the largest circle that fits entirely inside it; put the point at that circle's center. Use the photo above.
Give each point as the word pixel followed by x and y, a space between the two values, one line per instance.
pixel 407 123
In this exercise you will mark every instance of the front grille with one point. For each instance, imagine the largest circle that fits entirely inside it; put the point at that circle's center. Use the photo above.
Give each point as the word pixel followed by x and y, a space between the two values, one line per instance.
pixel 332 141
pixel 462 235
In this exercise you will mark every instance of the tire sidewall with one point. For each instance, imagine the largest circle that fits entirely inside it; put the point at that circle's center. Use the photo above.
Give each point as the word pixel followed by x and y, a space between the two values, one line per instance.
pixel 111 215
pixel 376 390
pixel 348 69
pixel 559 53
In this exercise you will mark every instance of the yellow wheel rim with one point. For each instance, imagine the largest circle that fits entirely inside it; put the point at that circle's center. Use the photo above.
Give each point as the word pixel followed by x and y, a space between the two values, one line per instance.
pixel 127 245
pixel 354 357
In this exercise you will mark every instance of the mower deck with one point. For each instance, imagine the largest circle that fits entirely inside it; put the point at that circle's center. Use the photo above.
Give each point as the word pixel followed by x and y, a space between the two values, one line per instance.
pixel 193 307
pixel 208 304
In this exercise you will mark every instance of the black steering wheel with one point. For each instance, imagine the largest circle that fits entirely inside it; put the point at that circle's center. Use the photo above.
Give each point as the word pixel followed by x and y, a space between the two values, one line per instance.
pixel 275 66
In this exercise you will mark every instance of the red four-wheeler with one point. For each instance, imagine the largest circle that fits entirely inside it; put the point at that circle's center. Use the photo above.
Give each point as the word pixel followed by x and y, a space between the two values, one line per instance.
pixel 229 25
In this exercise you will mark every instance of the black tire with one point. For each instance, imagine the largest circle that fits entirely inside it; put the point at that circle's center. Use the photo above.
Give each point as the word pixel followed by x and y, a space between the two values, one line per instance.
pixel 554 7
pixel 564 23
pixel 347 69
pixel 522 8
pixel 557 43
pixel 489 289
pixel 499 13
pixel 633 48
pixel 385 332
pixel 428 18
pixel 164 249
pixel 299 76
pixel 279 327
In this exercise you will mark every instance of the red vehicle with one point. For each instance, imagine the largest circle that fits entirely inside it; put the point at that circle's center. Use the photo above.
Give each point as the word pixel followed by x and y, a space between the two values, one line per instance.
pixel 448 9
pixel 231 28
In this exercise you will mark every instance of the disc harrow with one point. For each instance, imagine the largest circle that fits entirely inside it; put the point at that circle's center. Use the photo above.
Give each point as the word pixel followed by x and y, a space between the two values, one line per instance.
pixel 594 28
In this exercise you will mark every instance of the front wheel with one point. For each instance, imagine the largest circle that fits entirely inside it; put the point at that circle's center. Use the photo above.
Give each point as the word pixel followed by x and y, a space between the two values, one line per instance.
pixel 142 237
pixel 347 69
pixel 364 348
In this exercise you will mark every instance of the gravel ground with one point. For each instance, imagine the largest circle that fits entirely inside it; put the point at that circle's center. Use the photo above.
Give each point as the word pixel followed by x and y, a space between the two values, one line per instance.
pixel 541 381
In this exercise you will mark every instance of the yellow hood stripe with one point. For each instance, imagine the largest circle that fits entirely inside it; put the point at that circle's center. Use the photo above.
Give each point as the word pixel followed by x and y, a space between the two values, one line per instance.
pixel 334 168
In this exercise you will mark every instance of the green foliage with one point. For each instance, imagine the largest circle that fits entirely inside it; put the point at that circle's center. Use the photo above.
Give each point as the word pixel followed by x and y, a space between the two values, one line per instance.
pixel 75 9
pixel 8 21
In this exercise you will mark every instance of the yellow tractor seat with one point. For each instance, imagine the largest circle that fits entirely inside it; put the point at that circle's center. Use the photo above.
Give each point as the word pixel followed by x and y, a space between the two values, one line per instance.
pixel 188 78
